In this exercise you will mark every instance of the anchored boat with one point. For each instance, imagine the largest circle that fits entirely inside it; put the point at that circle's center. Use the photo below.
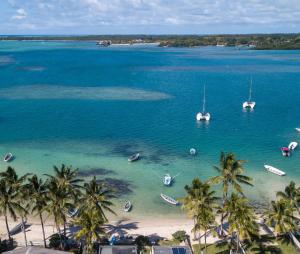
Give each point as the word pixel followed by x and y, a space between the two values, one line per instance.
pixel 203 116
pixel 249 104
pixel 274 170
pixel 193 151
pixel 167 180
pixel 292 146
pixel 127 206
pixel 134 157
pixel 169 200
pixel 285 151
pixel 8 157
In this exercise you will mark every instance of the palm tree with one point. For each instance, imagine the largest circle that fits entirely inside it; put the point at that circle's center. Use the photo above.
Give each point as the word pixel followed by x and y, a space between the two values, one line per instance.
pixel 230 176
pixel 199 204
pixel 90 224
pixel 59 202
pixel 241 218
pixel 96 196
pixel 280 216
pixel 18 195
pixel 67 183
pixel 38 197
pixel 291 194
pixel 9 203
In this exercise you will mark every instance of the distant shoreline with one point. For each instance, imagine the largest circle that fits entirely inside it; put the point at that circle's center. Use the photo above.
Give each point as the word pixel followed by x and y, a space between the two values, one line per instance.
pixel 252 41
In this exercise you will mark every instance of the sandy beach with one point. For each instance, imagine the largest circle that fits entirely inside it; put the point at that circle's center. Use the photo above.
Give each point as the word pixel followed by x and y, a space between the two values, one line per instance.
pixel 160 228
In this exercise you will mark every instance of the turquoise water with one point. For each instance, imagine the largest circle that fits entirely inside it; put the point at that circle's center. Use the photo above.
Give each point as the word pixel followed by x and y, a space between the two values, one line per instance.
pixel 76 103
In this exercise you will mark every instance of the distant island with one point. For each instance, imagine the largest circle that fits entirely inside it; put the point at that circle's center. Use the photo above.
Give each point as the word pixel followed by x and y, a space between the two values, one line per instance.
pixel 252 41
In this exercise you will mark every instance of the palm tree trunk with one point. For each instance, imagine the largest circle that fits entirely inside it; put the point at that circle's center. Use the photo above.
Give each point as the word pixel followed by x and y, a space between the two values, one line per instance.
pixel 7 227
pixel 43 229
pixel 199 241
pixel 24 231
pixel 194 230
pixel 237 243
pixel 205 242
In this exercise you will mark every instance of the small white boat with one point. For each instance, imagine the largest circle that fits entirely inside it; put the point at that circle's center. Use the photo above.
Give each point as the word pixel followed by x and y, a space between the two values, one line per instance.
pixel 285 151
pixel 8 157
pixel 193 151
pixel 167 180
pixel 297 129
pixel 169 200
pixel 127 206
pixel 292 146
pixel 249 104
pixel 274 170
pixel 134 157
pixel 203 116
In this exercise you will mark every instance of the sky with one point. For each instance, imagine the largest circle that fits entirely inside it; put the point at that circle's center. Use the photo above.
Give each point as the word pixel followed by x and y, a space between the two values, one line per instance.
pixel 149 16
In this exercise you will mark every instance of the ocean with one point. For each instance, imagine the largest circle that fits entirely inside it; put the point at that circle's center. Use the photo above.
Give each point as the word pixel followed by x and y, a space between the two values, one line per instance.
pixel 91 107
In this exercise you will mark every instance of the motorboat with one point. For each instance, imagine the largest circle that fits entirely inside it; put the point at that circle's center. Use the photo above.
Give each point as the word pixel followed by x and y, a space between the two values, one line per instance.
pixel 134 157
pixel 274 170
pixel 167 180
pixel 285 151
pixel 297 129
pixel 193 151
pixel 249 104
pixel 169 200
pixel 203 116
pixel 8 157
pixel 127 206
pixel 292 146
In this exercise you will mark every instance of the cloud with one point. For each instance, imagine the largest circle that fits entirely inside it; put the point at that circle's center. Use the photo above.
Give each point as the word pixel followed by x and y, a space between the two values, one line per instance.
pixel 21 14
pixel 160 16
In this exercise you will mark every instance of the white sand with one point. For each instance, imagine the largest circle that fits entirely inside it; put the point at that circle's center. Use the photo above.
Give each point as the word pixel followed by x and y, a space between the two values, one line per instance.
pixel 156 228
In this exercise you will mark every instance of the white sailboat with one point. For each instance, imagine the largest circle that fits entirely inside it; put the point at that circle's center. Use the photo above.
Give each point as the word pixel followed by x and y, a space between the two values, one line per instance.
pixel 203 116
pixel 249 104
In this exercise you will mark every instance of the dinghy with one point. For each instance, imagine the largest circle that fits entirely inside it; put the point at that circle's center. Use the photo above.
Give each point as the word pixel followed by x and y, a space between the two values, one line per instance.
pixel 18 228
pixel 285 151
pixel 127 206
pixel 203 116
pixel 167 180
pixel 193 151
pixel 134 157
pixel 249 104
pixel 292 146
pixel 8 157
pixel 274 170
pixel 169 200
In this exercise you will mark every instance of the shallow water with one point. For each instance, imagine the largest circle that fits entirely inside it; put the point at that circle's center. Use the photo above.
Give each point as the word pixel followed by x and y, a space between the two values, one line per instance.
pixel 160 91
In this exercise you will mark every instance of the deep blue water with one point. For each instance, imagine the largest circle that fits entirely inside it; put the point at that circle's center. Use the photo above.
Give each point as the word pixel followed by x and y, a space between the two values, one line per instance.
pixel 166 126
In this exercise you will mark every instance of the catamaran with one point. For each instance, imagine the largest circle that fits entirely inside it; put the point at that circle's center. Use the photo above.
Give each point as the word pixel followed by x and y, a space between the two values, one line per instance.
pixel 203 116
pixel 274 170
pixel 249 104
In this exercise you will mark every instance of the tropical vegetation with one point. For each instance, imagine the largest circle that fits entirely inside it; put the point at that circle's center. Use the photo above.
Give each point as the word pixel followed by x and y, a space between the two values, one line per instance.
pixel 68 200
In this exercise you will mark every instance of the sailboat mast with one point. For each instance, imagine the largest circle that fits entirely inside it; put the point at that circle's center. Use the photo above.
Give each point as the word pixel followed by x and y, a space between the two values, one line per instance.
pixel 250 91
pixel 203 109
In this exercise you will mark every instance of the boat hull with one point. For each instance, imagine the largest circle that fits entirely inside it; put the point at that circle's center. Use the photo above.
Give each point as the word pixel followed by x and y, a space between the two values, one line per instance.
pixel 169 200
pixel 274 170
pixel 203 116
pixel 249 104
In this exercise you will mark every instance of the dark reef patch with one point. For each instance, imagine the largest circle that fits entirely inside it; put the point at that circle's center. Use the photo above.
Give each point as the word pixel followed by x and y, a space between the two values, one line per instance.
pixel 120 187
pixel 95 172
